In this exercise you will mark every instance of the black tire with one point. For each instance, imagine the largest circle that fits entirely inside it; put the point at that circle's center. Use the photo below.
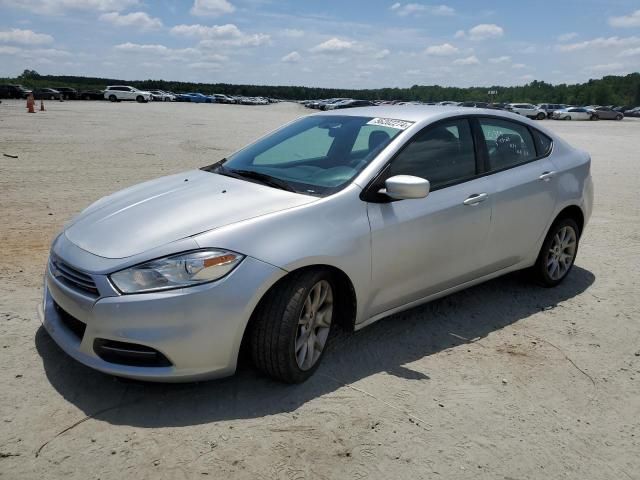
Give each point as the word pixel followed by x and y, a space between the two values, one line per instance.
pixel 139 99
pixel 541 116
pixel 275 324
pixel 619 117
pixel 540 272
pixel 594 118
pixel 113 98
pixel 86 97
pixel 568 117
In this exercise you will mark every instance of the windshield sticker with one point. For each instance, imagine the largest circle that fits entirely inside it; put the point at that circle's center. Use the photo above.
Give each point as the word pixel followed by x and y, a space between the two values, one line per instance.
pixel 391 123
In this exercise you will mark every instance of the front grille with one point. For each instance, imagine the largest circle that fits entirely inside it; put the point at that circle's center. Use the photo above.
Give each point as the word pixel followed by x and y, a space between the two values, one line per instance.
pixel 72 277
pixel 74 325
pixel 131 354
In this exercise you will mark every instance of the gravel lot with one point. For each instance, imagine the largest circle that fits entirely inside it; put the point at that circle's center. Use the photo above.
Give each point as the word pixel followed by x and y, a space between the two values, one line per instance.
pixel 502 381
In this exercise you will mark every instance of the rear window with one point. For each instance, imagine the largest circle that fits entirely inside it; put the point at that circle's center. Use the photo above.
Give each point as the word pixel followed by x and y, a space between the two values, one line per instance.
pixel 508 143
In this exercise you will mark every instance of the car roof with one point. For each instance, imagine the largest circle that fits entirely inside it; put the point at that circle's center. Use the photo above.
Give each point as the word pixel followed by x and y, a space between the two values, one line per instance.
pixel 420 113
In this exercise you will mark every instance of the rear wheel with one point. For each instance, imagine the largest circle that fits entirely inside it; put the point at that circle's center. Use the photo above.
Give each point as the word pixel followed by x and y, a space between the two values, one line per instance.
pixel 541 116
pixel 113 98
pixel 291 326
pixel 139 99
pixel 568 117
pixel 558 253
pixel 619 117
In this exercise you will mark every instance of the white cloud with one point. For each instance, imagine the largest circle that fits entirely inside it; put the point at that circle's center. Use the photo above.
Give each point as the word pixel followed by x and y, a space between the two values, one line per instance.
pixel 204 65
pixel 25 37
pixel 57 7
pixel 211 8
pixel 292 33
pixel 518 66
pixel 605 68
pixel 333 45
pixel 460 34
pixel 418 9
pixel 442 50
pixel 565 37
pixel 472 60
pixel 380 54
pixel 228 34
pixel 293 57
pixel 486 31
pixel 158 50
pixel 600 42
pixel 139 20
pixel 34 54
pixel 503 59
pixel 626 21
pixel 630 52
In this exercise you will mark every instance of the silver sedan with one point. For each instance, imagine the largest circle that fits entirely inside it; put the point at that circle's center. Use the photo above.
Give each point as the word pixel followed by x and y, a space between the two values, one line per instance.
pixel 332 219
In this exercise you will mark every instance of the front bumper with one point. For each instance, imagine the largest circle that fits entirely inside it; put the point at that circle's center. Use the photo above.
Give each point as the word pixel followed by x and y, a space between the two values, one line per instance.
pixel 198 329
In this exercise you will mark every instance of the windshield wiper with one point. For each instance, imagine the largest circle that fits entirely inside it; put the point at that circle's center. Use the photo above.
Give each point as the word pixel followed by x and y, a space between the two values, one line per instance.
pixel 260 177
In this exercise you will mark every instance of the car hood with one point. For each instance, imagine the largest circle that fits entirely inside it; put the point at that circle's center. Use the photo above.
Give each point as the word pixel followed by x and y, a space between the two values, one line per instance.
pixel 171 208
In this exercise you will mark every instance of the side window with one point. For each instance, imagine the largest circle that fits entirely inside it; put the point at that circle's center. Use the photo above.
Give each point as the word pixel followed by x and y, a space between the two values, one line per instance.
pixel 442 154
pixel 310 144
pixel 508 143
pixel 543 143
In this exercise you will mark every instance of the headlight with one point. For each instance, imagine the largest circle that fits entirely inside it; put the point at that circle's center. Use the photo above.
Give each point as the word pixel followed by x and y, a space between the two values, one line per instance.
pixel 177 271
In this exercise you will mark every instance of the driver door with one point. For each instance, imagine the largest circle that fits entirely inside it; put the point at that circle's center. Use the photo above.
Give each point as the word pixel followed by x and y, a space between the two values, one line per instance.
pixel 423 246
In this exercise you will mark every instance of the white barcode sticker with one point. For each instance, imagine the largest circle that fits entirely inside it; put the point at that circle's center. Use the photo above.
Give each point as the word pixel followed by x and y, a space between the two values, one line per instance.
pixel 391 123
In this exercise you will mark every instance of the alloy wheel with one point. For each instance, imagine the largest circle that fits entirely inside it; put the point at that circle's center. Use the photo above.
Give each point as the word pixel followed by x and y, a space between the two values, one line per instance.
pixel 314 325
pixel 562 252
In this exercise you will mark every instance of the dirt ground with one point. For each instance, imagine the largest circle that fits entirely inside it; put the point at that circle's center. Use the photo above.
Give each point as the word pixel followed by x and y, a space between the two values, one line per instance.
pixel 502 381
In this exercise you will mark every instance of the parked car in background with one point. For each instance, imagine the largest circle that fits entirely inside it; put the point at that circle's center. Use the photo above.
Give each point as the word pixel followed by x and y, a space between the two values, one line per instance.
pixel 473 104
pixel 623 108
pixel 349 104
pixel 634 112
pixel 549 108
pixel 574 113
pixel 528 110
pixel 327 224
pixel 117 93
pixel 161 96
pixel 221 98
pixel 91 95
pixel 607 113
pixel 14 91
pixel 68 93
pixel 194 97
pixel 46 94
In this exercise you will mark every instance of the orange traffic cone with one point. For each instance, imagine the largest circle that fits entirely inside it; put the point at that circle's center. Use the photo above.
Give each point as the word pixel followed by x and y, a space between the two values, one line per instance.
pixel 42 105
pixel 30 103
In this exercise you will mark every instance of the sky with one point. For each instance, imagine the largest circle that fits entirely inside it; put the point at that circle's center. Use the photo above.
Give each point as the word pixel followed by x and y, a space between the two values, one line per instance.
pixel 325 43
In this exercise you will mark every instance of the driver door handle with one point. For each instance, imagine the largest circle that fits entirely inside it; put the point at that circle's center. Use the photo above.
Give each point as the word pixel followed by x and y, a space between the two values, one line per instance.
pixel 546 176
pixel 476 198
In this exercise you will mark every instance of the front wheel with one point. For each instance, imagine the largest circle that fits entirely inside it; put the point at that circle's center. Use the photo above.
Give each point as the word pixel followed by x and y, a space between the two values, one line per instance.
pixel 139 99
pixel 113 98
pixel 568 117
pixel 541 116
pixel 291 326
pixel 619 117
pixel 558 253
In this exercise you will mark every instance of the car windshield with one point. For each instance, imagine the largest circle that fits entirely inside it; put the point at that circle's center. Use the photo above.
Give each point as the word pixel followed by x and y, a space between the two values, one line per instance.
pixel 316 155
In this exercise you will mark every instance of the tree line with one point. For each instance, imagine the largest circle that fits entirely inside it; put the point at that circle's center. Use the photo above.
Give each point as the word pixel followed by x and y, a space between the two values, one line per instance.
pixel 609 90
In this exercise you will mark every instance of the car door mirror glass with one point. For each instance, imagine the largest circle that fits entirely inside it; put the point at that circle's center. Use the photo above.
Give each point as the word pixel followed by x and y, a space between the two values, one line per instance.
pixel 404 187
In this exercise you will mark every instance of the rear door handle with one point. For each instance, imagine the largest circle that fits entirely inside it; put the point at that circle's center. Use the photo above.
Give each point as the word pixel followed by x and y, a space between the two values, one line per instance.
pixel 546 176
pixel 476 198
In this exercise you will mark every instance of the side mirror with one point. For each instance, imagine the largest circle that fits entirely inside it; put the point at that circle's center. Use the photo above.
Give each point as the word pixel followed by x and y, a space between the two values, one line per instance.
pixel 404 187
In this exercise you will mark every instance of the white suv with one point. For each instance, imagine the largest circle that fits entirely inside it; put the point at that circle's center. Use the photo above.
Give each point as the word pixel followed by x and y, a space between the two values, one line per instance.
pixel 528 110
pixel 116 93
